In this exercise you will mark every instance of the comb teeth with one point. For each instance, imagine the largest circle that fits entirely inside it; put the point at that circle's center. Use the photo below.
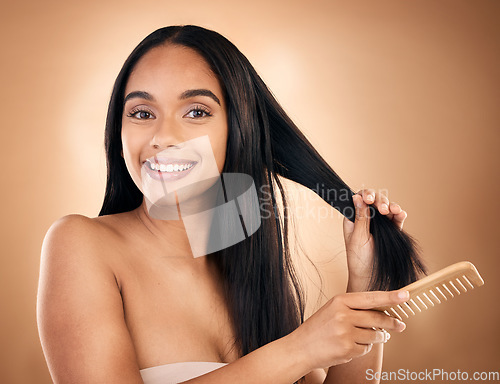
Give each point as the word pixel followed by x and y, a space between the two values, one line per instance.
pixel 446 283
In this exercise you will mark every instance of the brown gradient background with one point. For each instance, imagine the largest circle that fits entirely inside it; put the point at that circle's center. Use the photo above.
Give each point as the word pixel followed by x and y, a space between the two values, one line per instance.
pixel 398 95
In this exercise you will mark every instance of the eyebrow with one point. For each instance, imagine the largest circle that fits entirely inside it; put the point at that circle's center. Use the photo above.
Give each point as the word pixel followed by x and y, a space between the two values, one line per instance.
pixel 184 95
pixel 199 92
pixel 138 94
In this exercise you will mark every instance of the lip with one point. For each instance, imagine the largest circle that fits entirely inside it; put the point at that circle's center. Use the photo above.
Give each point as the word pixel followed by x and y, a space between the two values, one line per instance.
pixel 168 176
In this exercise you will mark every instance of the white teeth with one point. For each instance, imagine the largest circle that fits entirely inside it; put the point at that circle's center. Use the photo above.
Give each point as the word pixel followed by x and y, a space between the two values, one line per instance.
pixel 170 167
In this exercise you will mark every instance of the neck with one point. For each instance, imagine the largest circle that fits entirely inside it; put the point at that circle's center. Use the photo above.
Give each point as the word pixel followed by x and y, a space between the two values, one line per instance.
pixel 185 239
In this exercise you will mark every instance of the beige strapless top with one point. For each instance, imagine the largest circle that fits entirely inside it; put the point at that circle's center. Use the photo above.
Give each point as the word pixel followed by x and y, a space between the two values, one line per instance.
pixel 177 372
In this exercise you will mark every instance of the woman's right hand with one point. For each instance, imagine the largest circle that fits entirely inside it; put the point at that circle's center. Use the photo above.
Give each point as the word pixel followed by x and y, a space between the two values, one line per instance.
pixel 346 327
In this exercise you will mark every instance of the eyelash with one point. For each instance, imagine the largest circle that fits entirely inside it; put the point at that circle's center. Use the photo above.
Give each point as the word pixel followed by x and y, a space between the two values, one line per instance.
pixel 135 111
pixel 197 108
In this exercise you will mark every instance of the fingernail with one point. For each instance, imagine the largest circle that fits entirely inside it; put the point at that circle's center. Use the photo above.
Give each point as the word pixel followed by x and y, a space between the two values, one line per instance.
pixel 384 207
pixel 404 295
pixel 401 325
pixel 369 197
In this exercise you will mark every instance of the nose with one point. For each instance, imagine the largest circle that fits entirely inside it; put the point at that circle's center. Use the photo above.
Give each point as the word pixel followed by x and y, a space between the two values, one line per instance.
pixel 167 133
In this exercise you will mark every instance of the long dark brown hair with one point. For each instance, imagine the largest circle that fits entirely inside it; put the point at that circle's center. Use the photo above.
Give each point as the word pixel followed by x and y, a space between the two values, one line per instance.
pixel 263 294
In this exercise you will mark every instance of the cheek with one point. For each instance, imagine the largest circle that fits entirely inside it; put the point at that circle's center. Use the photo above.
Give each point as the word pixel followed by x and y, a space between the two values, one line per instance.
pixel 220 150
pixel 131 155
pixel 132 144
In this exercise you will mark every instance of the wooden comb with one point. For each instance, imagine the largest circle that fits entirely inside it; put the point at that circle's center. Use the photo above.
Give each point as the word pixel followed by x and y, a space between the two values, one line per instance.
pixel 431 290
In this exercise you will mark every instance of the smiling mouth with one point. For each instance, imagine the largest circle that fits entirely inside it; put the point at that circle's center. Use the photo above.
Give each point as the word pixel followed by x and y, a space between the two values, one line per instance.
pixel 169 169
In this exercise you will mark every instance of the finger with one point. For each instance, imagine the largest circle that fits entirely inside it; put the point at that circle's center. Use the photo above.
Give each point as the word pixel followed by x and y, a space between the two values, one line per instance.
pixel 370 336
pixel 395 208
pixel 361 349
pixel 368 195
pixel 376 319
pixel 374 299
pixel 399 219
pixel 348 226
pixel 362 220
pixel 382 204
pixel 387 335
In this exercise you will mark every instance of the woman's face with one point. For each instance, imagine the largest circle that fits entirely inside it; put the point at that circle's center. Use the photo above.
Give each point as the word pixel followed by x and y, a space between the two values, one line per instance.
pixel 174 123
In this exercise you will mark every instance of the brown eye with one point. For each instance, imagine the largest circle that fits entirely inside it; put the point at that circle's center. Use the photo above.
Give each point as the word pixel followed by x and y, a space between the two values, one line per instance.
pixel 141 114
pixel 198 113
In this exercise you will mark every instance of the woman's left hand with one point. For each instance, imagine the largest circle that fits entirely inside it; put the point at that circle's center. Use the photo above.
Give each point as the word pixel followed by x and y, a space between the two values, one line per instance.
pixel 358 240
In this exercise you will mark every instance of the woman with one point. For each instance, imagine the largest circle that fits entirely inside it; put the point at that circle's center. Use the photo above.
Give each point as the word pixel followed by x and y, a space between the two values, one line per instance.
pixel 121 297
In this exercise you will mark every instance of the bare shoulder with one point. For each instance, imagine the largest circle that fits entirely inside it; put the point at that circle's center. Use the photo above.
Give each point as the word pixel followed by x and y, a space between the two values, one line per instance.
pixel 79 229
pixel 80 239
pixel 79 305
pixel 71 239
pixel 70 225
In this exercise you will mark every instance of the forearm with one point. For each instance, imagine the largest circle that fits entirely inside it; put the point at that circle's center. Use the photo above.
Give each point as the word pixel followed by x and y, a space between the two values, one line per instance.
pixel 279 362
pixel 354 372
